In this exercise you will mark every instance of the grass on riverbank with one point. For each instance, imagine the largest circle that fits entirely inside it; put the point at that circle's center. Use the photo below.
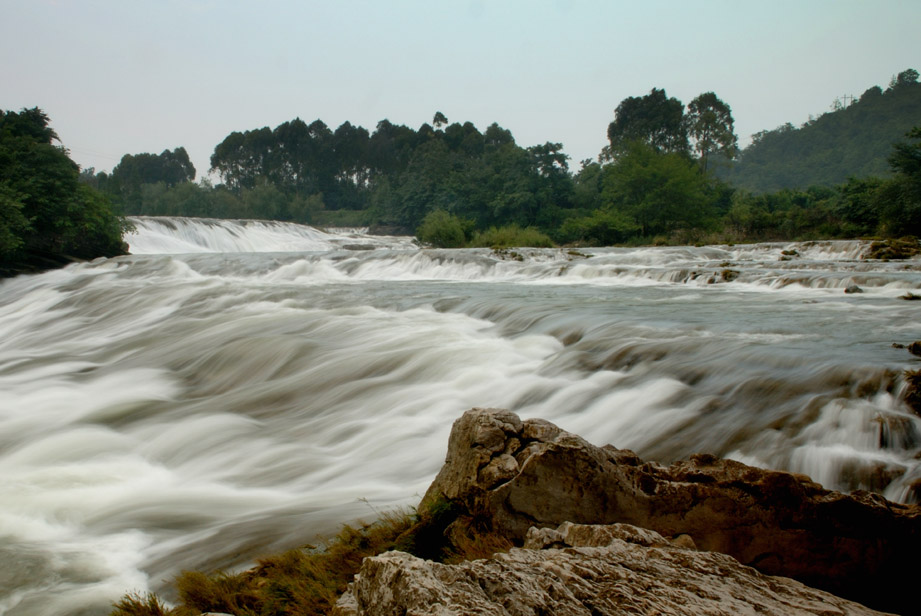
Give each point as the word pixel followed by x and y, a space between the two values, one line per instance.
pixel 309 581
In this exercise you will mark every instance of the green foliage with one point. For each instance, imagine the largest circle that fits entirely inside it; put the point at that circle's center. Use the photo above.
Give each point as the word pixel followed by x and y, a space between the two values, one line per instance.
pixel 857 206
pixel 137 605
pixel 394 177
pixel 649 184
pixel 13 225
pixel 134 171
pixel 849 141
pixel 661 192
pixel 898 200
pixel 603 227
pixel 511 236
pixel 341 218
pixel 46 215
pixel 654 120
pixel 784 215
pixel 710 125
pixel 442 230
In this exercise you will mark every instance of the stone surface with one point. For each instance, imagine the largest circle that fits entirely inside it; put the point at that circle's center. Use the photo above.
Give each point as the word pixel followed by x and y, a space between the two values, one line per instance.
pixel 583 570
pixel 854 546
pixel 915 348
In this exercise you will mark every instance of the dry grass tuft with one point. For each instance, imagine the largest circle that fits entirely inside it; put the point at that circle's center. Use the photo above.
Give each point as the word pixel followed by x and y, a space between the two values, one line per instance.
pixel 304 582
pixel 137 605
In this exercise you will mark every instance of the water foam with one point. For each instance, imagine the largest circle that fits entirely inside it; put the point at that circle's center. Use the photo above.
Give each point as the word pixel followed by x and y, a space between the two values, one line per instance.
pixel 171 411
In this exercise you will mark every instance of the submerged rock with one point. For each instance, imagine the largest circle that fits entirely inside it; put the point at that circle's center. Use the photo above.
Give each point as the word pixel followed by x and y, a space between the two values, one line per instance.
pixel 902 248
pixel 583 570
pixel 518 474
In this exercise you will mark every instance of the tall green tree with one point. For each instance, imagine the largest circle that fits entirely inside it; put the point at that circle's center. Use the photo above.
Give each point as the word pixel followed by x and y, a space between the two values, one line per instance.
pixel 654 119
pixel 710 126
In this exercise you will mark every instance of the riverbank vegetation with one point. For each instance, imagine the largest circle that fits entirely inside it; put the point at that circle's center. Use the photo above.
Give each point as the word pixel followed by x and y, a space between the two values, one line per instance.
pixel 48 217
pixel 309 580
pixel 670 174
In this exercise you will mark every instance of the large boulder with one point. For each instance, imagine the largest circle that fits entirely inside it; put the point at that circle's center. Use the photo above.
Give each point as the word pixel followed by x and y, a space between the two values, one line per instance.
pixel 583 571
pixel 517 474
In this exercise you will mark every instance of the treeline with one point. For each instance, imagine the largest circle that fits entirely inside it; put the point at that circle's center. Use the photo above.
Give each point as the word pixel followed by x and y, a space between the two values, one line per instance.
pixel 661 179
pixel 396 176
pixel 46 215
pixel 657 181
pixel 852 140
pixel 348 176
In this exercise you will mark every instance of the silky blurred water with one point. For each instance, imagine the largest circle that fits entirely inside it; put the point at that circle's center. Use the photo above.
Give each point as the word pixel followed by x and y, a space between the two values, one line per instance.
pixel 168 411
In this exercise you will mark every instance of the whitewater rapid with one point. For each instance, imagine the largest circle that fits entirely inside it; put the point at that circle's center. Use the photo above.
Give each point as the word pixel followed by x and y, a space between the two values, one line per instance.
pixel 238 387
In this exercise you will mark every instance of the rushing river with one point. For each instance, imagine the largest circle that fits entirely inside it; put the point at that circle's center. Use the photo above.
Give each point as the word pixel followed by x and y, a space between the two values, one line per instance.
pixel 233 389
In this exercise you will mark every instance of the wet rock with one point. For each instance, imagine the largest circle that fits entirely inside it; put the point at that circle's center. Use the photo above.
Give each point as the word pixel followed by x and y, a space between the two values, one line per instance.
pixel 853 288
pixel 915 347
pixel 913 390
pixel 583 570
pixel 780 523
pixel 902 248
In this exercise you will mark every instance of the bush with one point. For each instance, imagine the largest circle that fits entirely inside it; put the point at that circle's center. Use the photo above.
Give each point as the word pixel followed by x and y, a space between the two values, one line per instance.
pixel 511 236
pixel 442 230
pixel 603 227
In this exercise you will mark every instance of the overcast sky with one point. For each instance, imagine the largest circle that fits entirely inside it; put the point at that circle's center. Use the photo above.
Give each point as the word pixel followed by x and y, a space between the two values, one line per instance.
pixel 132 76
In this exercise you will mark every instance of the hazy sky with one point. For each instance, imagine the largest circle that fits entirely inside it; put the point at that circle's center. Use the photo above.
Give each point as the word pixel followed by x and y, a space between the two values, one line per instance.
pixel 131 76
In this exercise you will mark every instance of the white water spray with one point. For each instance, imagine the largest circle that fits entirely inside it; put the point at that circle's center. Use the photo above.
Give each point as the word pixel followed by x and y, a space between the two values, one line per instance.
pixel 238 388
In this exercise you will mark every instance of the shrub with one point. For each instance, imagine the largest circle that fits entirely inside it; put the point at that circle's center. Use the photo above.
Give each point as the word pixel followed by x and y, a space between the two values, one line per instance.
pixel 442 230
pixel 137 605
pixel 511 236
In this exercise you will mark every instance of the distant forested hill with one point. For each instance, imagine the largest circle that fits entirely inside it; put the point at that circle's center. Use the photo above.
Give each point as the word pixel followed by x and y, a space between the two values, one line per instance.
pixel 853 140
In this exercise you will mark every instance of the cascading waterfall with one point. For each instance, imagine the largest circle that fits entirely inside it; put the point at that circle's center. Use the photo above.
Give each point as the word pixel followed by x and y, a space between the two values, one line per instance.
pixel 239 387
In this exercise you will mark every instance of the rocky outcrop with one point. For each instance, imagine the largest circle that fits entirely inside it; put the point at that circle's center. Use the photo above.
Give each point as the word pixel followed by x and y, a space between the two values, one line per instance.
pixel 518 474
pixel 580 570
pixel 902 248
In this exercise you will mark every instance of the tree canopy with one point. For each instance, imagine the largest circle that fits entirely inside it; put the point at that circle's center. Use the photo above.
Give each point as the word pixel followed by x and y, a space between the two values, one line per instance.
pixel 653 119
pixel 849 140
pixel 46 214
pixel 666 175
pixel 709 124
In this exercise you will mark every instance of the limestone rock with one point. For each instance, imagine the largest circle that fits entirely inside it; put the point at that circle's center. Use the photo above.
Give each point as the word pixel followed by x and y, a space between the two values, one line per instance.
pixel 915 347
pixel 589 571
pixel 781 523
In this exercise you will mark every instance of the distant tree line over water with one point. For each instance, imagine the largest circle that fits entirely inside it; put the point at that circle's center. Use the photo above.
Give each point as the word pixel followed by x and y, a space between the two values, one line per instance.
pixel 670 173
